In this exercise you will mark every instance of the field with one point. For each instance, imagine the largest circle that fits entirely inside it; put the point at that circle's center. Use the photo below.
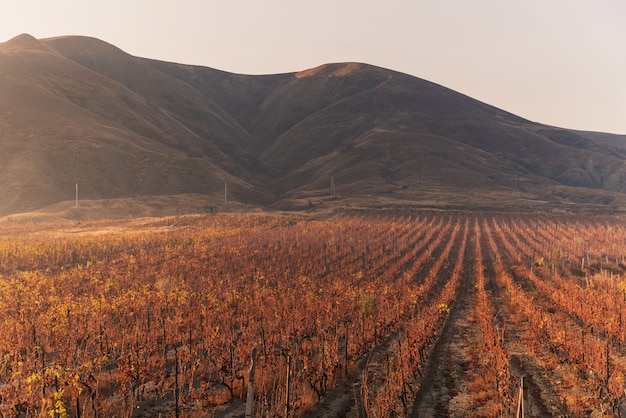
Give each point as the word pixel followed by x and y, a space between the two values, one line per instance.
pixel 384 314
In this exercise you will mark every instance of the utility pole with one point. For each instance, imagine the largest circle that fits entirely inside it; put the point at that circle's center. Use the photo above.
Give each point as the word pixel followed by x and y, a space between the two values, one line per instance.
pixel 76 194
pixel 225 192
pixel 332 186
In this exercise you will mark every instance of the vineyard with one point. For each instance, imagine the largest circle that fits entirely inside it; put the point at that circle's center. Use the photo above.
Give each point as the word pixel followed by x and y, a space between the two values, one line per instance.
pixel 378 315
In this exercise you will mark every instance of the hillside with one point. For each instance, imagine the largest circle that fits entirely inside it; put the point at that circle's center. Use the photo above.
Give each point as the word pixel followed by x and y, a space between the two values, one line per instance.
pixel 76 109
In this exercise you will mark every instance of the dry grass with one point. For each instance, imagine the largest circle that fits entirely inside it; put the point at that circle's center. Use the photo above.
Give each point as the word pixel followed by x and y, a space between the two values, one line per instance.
pixel 139 128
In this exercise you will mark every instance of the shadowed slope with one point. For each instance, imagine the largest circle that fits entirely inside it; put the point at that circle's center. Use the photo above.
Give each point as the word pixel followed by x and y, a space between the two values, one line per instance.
pixel 76 109
pixel 64 123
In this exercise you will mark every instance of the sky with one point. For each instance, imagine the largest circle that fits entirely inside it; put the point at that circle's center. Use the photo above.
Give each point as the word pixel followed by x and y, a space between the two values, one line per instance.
pixel 557 62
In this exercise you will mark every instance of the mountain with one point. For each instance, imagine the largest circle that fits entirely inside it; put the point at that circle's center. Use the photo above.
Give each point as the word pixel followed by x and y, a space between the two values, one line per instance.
pixel 79 110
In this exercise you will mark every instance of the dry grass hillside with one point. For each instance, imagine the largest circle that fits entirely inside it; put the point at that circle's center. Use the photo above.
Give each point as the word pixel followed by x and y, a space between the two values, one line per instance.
pixel 76 109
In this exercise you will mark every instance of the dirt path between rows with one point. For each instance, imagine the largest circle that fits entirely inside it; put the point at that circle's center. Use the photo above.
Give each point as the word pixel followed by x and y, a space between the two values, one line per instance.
pixel 443 392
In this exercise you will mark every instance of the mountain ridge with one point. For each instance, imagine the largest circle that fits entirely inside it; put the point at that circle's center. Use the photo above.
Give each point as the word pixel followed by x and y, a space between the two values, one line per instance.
pixel 144 127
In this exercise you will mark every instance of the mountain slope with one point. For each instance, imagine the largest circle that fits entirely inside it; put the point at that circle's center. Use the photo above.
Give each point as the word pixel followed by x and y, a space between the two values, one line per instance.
pixel 64 123
pixel 76 109
pixel 327 109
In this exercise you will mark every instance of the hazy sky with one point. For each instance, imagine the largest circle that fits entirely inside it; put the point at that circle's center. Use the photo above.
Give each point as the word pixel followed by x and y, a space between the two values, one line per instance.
pixel 559 62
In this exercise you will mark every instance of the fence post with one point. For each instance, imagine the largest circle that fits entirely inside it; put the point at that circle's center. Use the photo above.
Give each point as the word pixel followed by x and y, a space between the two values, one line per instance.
pixel 358 401
pixel 520 401
pixel 250 396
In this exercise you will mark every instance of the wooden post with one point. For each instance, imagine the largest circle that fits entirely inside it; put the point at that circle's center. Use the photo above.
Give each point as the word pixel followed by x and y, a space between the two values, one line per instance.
pixel 520 401
pixel 608 364
pixel 250 396
pixel 287 386
pixel 358 401
pixel 345 353
pixel 342 348
pixel 176 393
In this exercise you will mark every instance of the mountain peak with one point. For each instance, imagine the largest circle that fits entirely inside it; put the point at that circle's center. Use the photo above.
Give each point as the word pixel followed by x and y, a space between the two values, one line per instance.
pixel 145 128
pixel 332 70
pixel 81 44
pixel 22 42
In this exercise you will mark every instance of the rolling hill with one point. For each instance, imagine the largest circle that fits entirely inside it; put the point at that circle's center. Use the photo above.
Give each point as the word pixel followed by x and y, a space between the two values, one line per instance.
pixel 79 110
